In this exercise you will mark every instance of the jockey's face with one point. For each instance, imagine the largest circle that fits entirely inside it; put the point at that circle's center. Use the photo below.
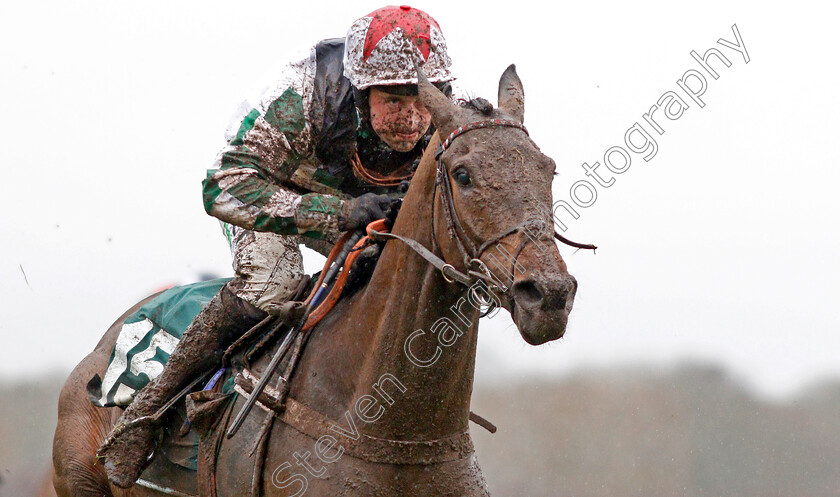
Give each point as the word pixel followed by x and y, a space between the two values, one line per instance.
pixel 399 120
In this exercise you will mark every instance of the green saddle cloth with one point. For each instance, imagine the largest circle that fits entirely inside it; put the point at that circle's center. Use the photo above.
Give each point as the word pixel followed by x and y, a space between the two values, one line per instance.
pixel 146 340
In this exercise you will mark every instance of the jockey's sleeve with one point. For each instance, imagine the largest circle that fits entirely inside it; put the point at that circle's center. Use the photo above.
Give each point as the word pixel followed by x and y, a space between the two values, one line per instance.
pixel 244 199
pixel 246 187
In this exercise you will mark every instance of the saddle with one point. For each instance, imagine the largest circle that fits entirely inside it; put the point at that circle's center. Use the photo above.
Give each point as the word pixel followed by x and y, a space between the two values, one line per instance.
pixel 185 454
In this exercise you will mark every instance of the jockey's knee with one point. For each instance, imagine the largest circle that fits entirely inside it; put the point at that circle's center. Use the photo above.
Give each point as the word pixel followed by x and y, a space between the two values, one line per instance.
pixel 268 267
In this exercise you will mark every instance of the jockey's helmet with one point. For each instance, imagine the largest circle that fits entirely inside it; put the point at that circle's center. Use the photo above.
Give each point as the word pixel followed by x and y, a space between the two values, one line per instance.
pixel 382 47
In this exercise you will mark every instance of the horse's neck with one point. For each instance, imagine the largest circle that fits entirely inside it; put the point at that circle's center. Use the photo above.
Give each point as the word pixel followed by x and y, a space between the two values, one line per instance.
pixel 413 317
pixel 423 391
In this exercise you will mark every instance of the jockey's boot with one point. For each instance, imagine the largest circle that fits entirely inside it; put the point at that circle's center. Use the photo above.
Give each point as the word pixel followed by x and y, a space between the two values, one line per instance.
pixel 127 448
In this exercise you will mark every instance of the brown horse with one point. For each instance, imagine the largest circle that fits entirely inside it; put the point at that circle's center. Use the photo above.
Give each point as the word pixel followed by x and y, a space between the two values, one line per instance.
pixel 379 402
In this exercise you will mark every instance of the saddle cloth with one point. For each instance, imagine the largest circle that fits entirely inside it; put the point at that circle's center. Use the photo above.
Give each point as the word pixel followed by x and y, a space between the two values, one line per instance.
pixel 146 340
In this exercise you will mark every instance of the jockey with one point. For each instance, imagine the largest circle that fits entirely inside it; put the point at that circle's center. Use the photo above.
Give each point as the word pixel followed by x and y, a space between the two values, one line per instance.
pixel 328 148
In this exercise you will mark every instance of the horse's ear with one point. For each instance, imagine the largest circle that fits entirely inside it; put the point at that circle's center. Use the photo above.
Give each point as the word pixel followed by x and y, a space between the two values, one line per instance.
pixel 444 112
pixel 511 94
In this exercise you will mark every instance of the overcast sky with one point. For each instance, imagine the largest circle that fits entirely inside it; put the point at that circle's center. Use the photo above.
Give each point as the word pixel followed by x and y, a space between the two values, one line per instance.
pixel 722 247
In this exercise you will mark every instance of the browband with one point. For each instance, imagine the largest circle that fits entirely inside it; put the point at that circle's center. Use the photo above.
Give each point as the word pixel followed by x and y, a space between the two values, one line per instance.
pixel 489 123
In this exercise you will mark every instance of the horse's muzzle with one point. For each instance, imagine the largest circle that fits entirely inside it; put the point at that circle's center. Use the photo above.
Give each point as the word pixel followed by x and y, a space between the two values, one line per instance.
pixel 543 297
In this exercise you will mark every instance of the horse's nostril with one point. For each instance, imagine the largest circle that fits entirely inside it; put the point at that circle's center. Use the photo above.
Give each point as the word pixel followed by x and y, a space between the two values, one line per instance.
pixel 527 292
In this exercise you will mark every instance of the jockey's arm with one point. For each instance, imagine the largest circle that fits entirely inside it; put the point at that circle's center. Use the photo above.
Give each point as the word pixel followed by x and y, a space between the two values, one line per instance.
pixel 241 195
pixel 245 188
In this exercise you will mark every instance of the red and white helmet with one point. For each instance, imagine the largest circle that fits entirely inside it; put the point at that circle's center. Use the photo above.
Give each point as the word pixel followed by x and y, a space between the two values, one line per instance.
pixel 382 46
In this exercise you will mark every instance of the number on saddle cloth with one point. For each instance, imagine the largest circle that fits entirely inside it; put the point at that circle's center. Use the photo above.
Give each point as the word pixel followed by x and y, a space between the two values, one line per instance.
pixel 147 339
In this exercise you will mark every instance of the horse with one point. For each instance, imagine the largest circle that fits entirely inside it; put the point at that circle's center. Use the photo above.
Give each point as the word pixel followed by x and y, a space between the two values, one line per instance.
pixel 379 403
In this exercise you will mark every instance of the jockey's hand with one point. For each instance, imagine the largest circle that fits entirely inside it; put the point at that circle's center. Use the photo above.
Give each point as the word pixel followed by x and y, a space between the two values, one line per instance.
pixel 358 212
pixel 392 212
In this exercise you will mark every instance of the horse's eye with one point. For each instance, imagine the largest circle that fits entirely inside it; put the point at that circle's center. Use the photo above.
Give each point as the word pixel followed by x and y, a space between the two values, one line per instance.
pixel 462 177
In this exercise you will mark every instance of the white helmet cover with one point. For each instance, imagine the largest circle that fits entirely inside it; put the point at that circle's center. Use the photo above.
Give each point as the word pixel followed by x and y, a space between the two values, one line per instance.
pixel 382 46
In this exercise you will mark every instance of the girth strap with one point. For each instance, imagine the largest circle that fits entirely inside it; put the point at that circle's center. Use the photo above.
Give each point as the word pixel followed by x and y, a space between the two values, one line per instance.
pixel 315 425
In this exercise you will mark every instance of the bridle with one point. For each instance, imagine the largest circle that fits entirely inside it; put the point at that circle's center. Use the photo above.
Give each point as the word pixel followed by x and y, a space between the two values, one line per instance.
pixel 470 254
pixel 476 269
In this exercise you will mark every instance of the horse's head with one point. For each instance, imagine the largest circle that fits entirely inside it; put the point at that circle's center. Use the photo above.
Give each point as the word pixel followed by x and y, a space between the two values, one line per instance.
pixel 493 203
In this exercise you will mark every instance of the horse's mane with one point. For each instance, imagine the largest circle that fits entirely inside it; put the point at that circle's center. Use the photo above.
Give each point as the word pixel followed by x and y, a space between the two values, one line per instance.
pixel 361 273
pixel 477 104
